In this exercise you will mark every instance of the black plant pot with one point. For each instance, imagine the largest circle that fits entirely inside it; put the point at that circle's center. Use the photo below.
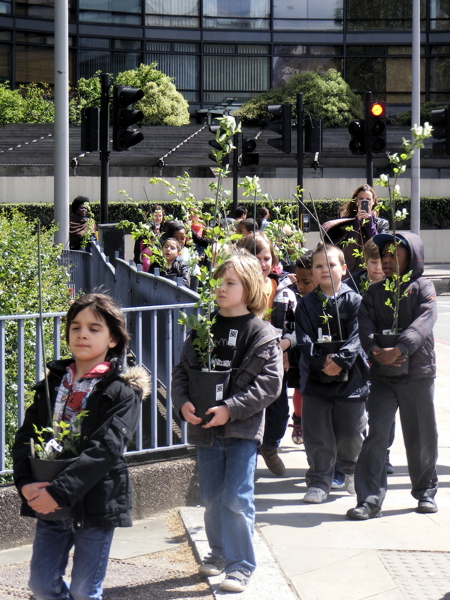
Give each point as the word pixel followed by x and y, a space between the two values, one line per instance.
pixel 332 347
pixel 48 470
pixel 207 389
pixel 388 340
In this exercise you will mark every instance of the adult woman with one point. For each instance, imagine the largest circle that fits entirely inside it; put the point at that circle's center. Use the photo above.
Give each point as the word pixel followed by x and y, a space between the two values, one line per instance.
pixel 359 222
pixel 80 224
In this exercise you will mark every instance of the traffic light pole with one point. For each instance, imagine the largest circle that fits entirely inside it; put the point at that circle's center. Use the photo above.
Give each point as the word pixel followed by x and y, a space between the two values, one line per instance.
pixel 299 141
pixel 369 157
pixel 104 146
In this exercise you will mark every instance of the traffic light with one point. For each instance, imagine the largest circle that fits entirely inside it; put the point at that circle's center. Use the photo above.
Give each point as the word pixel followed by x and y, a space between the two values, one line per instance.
pixel 357 130
pixel 376 127
pixel 440 120
pixel 283 126
pixel 124 116
pixel 90 124
pixel 249 156
pixel 218 156
pixel 313 135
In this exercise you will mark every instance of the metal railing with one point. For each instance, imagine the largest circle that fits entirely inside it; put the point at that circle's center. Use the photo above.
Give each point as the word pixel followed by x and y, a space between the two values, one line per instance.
pixel 156 344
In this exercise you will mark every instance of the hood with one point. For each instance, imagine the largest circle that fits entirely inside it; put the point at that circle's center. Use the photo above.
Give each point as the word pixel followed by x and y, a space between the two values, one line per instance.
pixel 415 248
pixel 138 378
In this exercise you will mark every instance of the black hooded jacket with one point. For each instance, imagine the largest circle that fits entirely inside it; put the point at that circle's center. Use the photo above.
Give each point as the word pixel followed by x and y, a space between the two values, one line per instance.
pixel 417 315
pixel 350 357
pixel 97 485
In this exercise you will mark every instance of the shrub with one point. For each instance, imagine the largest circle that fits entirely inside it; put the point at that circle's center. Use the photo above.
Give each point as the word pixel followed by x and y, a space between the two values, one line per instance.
pixel 404 118
pixel 326 96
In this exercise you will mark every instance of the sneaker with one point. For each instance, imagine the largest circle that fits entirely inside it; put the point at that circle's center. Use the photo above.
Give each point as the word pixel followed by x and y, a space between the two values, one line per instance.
pixel 427 505
pixel 235 581
pixel 389 468
pixel 212 565
pixel 297 431
pixel 273 461
pixel 349 484
pixel 364 511
pixel 338 484
pixel 314 496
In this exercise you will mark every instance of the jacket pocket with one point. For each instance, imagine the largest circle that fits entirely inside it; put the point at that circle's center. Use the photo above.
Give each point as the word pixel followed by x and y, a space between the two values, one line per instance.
pixel 117 436
pixel 111 495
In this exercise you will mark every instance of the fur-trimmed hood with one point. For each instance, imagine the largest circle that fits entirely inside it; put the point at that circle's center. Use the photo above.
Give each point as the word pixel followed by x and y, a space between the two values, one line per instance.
pixel 138 378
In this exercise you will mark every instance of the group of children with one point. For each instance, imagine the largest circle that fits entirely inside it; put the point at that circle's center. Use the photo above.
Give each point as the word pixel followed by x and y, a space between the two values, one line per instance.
pixel 332 386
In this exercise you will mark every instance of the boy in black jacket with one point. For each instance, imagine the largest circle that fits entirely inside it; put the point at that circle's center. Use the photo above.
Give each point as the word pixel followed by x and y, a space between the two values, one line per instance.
pixel 413 392
pixel 333 384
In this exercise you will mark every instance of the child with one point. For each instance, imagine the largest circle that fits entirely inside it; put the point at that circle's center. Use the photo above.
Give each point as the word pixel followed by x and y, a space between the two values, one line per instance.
pixel 97 485
pixel 246 227
pixel 305 284
pixel 373 271
pixel 333 413
pixel 171 250
pixel 282 301
pixel 412 393
pixel 227 445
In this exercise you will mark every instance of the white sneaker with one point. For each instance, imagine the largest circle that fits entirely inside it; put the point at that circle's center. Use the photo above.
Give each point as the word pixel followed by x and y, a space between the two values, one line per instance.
pixel 350 484
pixel 314 496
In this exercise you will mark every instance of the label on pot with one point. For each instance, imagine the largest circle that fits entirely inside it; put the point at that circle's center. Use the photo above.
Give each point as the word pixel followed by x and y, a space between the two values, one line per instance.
pixel 219 391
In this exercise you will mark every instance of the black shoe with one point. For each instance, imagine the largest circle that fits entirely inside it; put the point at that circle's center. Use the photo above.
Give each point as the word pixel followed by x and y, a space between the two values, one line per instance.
pixel 389 468
pixel 364 511
pixel 426 506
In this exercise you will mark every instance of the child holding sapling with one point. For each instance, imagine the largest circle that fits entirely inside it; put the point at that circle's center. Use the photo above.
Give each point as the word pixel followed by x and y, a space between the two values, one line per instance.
pixel 413 392
pixel 227 444
pixel 333 384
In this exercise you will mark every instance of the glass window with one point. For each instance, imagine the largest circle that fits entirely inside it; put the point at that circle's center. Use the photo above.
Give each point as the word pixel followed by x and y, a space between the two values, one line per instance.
pixel 236 14
pixel 440 50
pixel 158 46
pixel 30 38
pixel 382 14
pixel 325 50
pixel 286 66
pixel 5 8
pixel 219 49
pixel 286 50
pixel 252 49
pixel 5 53
pixel 440 78
pixel 44 9
pixel 366 50
pixel 439 14
pixel 111 11
pixel 234 75
pixel 5 36
pixel 127 44
pixel 91 61
pixel 94 43
pixel 176 13
pixel 307 14
pixel 34 63
pixel 186 47
pixel 125 61
pixel 184 69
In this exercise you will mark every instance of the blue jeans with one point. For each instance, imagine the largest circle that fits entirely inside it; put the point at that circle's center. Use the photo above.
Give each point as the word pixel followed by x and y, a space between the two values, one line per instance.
pixel 52 543
pixel 226 473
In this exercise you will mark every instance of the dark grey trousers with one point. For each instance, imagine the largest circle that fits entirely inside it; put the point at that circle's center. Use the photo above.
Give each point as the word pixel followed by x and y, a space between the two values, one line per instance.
pixel 332 431
pixel 414 399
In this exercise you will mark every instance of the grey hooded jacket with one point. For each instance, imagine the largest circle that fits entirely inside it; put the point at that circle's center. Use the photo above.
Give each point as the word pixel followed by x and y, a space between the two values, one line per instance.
pixel 255 384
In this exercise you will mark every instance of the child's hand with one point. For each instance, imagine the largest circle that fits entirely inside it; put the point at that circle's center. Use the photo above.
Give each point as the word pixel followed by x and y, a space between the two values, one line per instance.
pixel 43 502
pixel 221 416
pixel 330 367
pixel 188 412
pixel 286 363
pixel 389 356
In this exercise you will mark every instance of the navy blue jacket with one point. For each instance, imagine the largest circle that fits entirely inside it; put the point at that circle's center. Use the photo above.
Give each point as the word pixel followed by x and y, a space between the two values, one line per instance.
pixel 417 316
pixel 350 357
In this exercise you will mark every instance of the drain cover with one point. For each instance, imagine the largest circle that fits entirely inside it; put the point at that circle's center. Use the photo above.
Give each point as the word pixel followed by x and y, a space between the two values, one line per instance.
pixel 419 575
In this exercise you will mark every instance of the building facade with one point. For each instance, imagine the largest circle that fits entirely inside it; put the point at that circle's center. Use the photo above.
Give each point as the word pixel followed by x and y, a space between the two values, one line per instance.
pixel 238 48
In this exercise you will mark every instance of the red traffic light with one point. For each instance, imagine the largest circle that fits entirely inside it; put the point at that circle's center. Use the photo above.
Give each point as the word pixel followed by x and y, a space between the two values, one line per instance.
pixel 377 109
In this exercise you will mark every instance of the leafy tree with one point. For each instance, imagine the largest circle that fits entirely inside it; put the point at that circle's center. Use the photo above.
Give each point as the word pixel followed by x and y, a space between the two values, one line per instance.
pixel 39 106
pixel 12 105
pixel 326 96
pixel 19 295
pixel 161 105
pixel 404 118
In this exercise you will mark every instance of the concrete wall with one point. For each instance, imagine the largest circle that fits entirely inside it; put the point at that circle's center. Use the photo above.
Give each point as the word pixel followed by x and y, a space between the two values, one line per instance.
pixel 157 486
pixel 40 189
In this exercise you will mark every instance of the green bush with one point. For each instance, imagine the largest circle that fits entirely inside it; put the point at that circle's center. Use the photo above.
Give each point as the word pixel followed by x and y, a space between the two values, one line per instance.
pixel 19 295
pixel 404 118
pixel 326 96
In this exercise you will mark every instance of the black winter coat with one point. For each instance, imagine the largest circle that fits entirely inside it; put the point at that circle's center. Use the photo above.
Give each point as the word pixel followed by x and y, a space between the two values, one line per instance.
pixel 417 316
pixel 350 357
pixel 97 485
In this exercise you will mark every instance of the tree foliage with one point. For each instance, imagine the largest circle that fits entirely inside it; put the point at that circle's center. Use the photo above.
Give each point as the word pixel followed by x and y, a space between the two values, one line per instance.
pixel 19 295
pixel 30 103
pixel 326 96
pixel 162 104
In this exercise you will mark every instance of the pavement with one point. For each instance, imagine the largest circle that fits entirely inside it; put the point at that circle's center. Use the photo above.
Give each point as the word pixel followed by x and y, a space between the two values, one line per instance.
pixel 313 552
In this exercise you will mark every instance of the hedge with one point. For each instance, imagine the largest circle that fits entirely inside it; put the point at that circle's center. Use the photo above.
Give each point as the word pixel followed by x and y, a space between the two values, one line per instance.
pixel 434 212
